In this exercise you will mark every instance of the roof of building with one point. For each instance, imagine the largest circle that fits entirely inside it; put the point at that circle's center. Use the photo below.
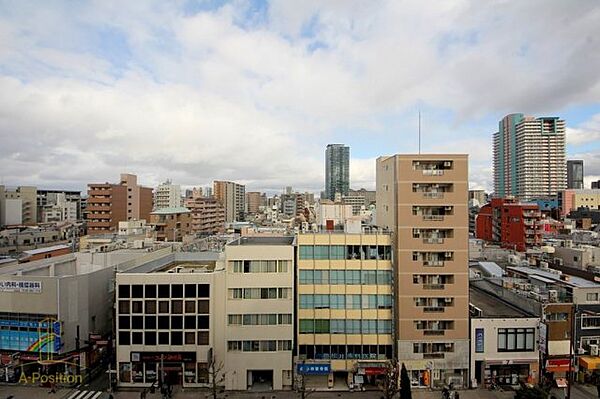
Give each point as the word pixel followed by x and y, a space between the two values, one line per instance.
pixel 263 240
pixel 492 306
pixel 491 268
pixel 573 281
pixel 46 249
pixel 170 210
pixel 167 262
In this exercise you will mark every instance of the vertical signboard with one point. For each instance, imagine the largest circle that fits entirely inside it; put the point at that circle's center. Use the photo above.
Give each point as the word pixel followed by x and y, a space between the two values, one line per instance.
pixel 479 340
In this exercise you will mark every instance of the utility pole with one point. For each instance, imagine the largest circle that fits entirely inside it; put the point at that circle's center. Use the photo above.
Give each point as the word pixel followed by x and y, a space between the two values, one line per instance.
pixel 571 344
pixel 77 349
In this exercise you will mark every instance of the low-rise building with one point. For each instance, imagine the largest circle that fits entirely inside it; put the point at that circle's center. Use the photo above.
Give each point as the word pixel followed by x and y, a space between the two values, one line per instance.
pixel 504 342
pixel 169 323
pixel 344 309
pixel 45 307
pixel 511 224
pixel 171 224
pixel 45 253
pixel 259 306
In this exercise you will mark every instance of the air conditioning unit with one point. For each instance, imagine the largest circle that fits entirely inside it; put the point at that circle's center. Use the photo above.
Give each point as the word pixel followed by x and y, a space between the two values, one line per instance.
pixel 448 300
pixel 448 254
pixel 448 208
pixel 594 350
pixel 553 296
pixel 448 163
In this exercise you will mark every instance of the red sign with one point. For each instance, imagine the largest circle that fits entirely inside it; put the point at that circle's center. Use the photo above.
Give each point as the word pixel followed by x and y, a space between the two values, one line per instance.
pixel 374 370
pixel 557 365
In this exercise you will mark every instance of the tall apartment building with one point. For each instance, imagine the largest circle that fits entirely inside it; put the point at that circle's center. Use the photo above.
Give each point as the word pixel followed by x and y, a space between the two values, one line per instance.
pixel 233 198
pixel 18 206
pixel 50 197
pixel 208 215
pixel 512 224
pixel 167 195
pixel 254 200
pixel 575 174
pixel 259 333
pixel 108 204
pixel 529 157
pixel 337 170
pixel 423 200
pixel 345 318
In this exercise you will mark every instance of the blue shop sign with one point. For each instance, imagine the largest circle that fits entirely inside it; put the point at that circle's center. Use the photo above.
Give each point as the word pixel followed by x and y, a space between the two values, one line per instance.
pixel 314 368
pixel 479 340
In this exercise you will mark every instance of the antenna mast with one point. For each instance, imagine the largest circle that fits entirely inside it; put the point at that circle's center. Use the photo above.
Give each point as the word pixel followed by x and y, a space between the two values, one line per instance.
pixel 419 132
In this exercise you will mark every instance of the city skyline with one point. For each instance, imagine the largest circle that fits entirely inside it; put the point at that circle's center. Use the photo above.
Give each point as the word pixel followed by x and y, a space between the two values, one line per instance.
pixel 186 99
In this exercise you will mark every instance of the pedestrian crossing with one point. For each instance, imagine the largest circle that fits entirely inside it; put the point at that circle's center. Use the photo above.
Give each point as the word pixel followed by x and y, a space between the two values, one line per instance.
pixel 85 395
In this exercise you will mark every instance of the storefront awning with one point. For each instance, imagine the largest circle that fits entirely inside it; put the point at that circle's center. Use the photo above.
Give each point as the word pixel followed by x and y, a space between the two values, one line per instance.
pixel 590 362
pixel 557 365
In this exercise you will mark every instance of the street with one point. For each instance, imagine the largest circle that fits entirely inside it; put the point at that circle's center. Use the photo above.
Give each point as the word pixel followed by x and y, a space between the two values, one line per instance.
pixel 25 392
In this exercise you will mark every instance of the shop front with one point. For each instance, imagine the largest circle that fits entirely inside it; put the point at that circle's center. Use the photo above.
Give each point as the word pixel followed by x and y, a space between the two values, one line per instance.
pixel 369 375
pixel 176 368
pixel 509 372
pixel 315 375
pixel 589 366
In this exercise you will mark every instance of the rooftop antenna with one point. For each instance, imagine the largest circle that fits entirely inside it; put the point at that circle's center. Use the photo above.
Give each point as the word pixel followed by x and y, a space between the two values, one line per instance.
pixel 419 132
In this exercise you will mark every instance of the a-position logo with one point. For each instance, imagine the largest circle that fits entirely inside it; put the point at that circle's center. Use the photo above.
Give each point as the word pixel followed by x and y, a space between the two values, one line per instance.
pixel 49 369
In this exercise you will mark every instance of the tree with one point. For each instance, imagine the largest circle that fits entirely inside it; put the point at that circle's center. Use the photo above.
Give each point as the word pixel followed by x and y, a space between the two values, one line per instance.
pixel 404 384
pixel 389 385
pixel 216 375
pixel 301 386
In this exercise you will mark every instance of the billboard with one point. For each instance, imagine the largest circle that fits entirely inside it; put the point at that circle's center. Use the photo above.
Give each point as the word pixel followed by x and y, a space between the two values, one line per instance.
pixel 30 336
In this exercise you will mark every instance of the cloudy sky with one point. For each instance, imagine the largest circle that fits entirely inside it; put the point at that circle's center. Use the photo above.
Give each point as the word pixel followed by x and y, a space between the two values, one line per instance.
pixel 253 91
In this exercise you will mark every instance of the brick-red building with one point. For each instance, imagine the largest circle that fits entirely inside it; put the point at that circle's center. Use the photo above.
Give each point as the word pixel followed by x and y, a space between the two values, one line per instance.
pixel 510 223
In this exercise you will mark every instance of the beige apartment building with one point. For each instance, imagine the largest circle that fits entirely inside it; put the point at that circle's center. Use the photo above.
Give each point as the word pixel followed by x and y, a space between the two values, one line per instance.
pixel 208 215
pixel 423 200
pixel 108 204
pixel 233 198
pixel 345 323
pixel 18 206
pixel 259 308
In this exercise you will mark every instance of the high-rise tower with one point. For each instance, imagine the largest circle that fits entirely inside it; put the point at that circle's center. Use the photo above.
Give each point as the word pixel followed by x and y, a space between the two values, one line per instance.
pixel 337 170
pixel 529 157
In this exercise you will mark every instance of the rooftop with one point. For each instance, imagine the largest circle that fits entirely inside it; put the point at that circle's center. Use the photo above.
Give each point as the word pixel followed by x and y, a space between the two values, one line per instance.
pixel 573 281
pixel 170 210
pixel 45 249
pixel 492 306
pixel 191 262
pixel 265 240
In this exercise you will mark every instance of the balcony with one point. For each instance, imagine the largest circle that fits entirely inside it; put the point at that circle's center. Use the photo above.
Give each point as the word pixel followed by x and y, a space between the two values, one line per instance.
pixel 433 195
pixel 433 172
pixel 434 286
pixel 436 263
pixel 434 309
pixel 433 355
pixel 433 332
pixel 437 218
pixel 432 240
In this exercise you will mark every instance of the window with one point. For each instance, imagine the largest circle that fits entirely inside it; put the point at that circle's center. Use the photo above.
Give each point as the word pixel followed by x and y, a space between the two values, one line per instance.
pixel 150 338
pixel 150 307
pixel 306 277
pixel 177 291
pixel 124 338
pixel 203 290
pixel 234 346
pixel 176 322
pixel 150 322
pixel 137 338
pixel 190 290
pixel 137 291
pixel 124 291
pixel 190 306
pixel 124 323
pixel 163 322
pixel 176 338
pixel 516 339
pixel 306 326
pixel 136 307
pixel 591 297
pixel 285 318
pixel 203 322
pixel 284 345
pixel 306 252
pixel 163 338
pixel 203 338
pixel 124 307
pixel 590 321
pixel 352 277
pixel 164 291
pixel 190 338
pixel 557 317
pixel 203 306
pixel 189 322
pixel 163 306
pixel 177 307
